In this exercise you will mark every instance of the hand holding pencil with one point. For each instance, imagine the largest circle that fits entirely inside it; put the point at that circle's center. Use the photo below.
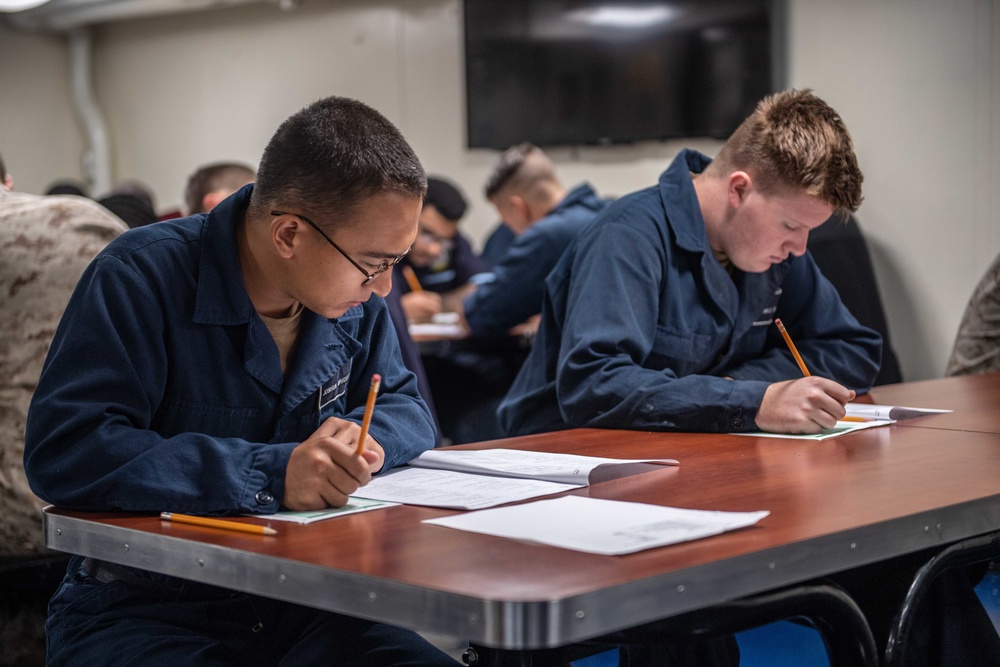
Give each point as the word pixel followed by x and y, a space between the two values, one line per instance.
pixel 334 462
pixel 806 405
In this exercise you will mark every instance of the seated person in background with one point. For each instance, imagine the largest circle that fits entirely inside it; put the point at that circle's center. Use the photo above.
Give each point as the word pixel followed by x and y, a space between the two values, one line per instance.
pixel 220 364
pixel 214 182
pixel 45 244
pixel 497 243
pixel 441 259
pixel 977 345
pixel 68 187
pixel 660 315
pixel 546 217
pixel 134 210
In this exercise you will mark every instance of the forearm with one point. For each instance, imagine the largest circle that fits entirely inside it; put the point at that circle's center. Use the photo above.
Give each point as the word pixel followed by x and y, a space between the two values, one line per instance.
pixel 636 398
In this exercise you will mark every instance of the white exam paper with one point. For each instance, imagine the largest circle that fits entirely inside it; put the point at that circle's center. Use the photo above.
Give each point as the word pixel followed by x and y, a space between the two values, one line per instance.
pixel 450 330
pixel 842 428
pixel 353 506
pixel 868 411
pixel 606 527
pixel 455 490
pixel 565 468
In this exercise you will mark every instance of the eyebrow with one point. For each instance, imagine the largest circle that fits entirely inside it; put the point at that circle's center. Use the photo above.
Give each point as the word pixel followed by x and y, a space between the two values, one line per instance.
pixel 379 254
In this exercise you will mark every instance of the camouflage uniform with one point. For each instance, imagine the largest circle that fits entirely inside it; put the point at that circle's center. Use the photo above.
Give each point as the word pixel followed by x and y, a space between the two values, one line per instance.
pixel 45 244
pixel 977 346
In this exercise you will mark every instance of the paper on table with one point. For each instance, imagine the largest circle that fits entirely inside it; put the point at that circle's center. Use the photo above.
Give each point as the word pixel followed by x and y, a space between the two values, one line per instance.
pixel 455 490
pixel 565 468
pixel 608 527
pixel 353 506
pixel 435 329
pixel 842 428
pixel 892 412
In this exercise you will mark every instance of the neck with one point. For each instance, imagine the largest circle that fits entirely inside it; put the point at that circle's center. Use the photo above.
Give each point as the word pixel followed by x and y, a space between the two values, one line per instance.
pixel 546 199
pixel 712 203
pixel 256 264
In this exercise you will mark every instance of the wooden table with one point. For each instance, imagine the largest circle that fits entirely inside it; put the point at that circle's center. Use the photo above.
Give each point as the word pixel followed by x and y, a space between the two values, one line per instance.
pixel 975 400
pixel 835 504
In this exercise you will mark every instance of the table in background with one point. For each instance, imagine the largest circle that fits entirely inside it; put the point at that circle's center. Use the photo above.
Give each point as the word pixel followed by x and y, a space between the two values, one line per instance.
pixel 835 504
pixel 975 400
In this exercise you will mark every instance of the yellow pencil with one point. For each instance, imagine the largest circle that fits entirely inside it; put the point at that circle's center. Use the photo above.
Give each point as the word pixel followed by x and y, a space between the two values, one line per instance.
pixel 411 279
pixel 791 346
pixel 369 409
pixel 218 523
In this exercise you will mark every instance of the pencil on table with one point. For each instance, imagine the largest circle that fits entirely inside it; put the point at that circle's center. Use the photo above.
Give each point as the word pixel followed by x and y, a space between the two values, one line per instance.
pixel 411 279
pixel 217 523
pixel 791 346
pixel 369 409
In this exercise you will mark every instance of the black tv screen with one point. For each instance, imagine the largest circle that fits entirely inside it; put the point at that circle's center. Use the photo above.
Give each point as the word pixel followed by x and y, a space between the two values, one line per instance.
pixel 570 72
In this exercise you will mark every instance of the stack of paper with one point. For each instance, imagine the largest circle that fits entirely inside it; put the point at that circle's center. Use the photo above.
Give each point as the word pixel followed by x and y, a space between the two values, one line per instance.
pixel 474 479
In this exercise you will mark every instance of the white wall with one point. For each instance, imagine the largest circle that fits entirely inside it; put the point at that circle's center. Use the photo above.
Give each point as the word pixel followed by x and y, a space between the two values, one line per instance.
pixel 918 84
pixel 917 81
pixel 39 138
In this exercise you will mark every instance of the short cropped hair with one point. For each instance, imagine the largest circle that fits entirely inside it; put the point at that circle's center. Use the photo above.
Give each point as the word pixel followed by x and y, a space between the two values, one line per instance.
pixel 793 139
pixel 327 158
pixel 521 168
pixel 446 198
pixel 3 169
pixel 230 176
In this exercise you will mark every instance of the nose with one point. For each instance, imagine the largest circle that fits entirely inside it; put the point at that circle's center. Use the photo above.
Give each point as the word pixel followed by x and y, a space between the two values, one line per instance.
pixel 435 248
pixel 382 284
pixel 797 244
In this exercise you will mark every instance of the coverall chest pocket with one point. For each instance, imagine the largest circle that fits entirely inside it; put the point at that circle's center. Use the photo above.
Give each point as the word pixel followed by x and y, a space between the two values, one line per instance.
pixel 178 415
pixel 678 350
pixel 332 396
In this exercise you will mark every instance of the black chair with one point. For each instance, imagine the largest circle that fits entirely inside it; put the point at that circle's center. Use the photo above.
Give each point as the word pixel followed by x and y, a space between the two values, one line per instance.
pixel 959 555
pixel 702 635
pixel 841 253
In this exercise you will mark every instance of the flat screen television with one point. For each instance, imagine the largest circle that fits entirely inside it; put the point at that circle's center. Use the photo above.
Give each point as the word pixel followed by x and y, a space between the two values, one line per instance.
pixel 572 72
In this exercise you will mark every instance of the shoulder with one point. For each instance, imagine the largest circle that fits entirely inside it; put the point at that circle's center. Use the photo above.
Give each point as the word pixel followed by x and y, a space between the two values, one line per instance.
pixel 57 214
pixel 640 213
pixel 156 239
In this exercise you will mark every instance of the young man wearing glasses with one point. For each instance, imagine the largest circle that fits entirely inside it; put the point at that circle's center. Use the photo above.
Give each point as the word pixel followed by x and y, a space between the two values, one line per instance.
pixel 442 259
pixel 219 364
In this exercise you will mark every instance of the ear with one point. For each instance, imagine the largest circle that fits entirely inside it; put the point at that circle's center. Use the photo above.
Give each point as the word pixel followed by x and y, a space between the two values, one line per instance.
pixel 8 182
pixel 210 200
pixel 738 188
pixel 286 234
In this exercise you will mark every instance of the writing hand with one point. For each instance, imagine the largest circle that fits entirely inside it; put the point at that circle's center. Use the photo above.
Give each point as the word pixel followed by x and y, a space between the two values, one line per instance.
pixel 806 405
pixel 325 469
pixel 421 306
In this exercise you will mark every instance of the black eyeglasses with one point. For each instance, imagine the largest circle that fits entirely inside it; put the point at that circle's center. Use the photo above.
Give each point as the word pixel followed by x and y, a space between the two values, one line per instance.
pixel 383 266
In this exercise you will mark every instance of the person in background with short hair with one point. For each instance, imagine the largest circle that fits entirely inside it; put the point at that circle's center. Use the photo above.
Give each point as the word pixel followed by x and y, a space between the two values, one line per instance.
pixel 442 258
pixel 219 364
pixel 546 217
pixel 212 183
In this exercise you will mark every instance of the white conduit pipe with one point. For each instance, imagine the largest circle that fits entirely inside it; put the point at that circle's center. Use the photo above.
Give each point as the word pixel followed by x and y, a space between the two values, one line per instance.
pixel 97 158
